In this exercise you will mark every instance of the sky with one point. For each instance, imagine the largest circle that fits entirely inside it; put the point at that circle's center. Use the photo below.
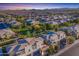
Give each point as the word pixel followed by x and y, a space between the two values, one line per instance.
pixel 14 6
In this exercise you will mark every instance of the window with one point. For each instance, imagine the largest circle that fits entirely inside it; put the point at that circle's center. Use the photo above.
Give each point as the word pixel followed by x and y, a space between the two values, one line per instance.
pixel 34 46
pixel 61 37
pixel 29 50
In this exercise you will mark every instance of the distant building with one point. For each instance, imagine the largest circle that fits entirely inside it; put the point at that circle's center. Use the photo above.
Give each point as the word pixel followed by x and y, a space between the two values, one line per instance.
pixel 15 23
pixel 29 21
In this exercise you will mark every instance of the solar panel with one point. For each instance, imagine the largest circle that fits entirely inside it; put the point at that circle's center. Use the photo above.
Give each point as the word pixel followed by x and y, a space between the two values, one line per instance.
pixel 4 25
pixel 22 41
pixel 45 36
pixel 8 48
pixel 16 48
pixel 51 33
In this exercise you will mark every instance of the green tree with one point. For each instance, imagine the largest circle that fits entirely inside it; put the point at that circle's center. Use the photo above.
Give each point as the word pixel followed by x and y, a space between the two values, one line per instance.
pixel 4 51
pixel 67 24
pixel 52 49
pixel 70 39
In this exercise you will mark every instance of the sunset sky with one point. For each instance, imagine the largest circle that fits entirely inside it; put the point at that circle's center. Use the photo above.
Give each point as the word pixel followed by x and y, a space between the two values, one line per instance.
pixel 13 6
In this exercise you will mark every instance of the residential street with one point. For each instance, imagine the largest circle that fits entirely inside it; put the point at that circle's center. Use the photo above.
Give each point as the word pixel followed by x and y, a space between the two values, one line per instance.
pixel 74 51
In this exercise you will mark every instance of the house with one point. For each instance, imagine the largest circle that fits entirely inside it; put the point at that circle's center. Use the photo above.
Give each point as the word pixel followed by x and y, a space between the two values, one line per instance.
pixel 52 22
pixel 7 20
pixel 57 38
pixel 35 22
pixel 72 30
pixel 61 35
pixel 6 33
pixel 50 37
pixel 34 46
pixel 1 19
pixel 15 23
pixel 67 30
pixel 17 49
pixel 43 20
pixel 62 39
pixel 29 21
pixel 64 20
pixel 76 31
pixel 58 21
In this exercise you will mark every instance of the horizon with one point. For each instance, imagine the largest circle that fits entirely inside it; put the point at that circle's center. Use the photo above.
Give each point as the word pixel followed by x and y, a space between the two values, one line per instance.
pixel 27 6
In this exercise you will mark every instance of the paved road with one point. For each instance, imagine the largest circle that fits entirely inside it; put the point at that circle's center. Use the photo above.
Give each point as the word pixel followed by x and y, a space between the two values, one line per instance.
pixel 74 51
